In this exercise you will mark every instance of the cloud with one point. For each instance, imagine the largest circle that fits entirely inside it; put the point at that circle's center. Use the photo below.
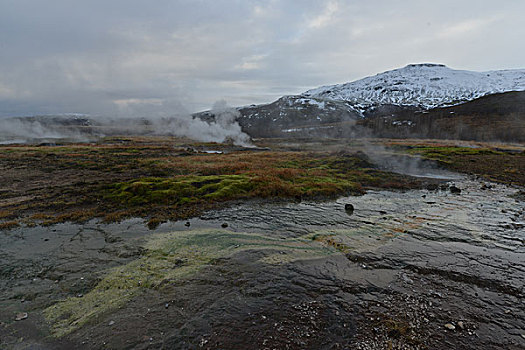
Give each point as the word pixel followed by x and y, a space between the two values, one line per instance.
pixel 467 27
pixel 6 92
pixel 251 62
pixel 62 56
pixel 326 17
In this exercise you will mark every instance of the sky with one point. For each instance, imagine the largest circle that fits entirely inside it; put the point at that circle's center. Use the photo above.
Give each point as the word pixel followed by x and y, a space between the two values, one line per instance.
pixel 119 57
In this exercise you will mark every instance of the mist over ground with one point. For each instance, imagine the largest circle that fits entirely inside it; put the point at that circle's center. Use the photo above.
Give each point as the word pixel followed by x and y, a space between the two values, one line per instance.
pixel 132 119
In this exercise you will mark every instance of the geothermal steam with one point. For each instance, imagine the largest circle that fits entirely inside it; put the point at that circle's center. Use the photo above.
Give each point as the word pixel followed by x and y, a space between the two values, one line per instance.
pixel 223 127
pixel 23 130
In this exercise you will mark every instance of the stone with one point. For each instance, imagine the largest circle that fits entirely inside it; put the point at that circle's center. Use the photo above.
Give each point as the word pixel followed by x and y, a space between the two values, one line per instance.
pixel 450 326
pixel 455 190
pixel 461 325
pixel 224 225
pixel 349 208
pixel 21 316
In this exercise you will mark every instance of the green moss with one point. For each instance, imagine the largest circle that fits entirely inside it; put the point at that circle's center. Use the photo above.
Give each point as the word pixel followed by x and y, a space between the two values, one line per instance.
pixel 327 185
pixel 447 154
pixel 168 257
pixel 213 188
pixel 149 179
pixel 179 190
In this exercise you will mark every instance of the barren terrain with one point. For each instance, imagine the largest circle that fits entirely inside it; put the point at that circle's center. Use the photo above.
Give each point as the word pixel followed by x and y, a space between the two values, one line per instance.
pixel 316 243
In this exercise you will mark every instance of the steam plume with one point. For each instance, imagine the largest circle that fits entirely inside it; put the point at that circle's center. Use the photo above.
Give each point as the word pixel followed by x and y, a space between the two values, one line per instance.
pixel 133 119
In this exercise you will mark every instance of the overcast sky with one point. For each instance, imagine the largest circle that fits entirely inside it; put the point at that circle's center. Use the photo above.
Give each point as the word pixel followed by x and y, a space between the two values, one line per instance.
pixel 114 56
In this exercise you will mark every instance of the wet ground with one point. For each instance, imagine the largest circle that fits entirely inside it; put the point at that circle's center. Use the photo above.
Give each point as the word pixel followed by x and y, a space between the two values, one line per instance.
pixel 421 269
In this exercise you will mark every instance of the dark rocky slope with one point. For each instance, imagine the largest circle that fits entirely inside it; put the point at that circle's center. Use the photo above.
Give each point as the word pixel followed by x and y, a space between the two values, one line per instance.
pixel 497 117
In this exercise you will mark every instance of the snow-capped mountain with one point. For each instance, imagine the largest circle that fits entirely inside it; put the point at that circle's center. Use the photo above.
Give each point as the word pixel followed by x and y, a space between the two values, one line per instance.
pixel 419 100
pixel 423 85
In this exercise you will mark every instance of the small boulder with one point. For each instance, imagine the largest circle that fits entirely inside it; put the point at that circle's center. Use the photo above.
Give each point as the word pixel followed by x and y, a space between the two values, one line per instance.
pixel 455 190
pixel 224 225
pixel 21 316
pixel 349 208
pixel 450 326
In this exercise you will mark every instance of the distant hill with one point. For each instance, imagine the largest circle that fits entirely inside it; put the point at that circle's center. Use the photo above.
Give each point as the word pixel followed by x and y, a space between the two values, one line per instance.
pixel 498 117
pixel 419 100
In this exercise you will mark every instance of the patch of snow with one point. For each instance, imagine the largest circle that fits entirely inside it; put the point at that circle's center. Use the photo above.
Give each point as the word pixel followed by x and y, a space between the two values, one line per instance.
pixel 310 101
pixel 403 122
pixel 308 128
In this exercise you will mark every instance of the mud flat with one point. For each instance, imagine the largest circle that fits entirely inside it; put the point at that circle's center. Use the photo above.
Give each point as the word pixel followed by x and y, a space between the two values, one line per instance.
pixel 410 269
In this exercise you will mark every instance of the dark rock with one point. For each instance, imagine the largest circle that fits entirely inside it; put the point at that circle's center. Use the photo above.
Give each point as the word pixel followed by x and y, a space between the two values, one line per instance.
pixel 432 187
pixel 224 225
pixel 349 208
pixel 454 189
pixel 187 224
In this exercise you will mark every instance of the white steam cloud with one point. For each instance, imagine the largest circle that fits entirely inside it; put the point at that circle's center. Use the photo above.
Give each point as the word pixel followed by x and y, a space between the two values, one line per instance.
pixel 224 127
pixel 135 118
pixel 24 130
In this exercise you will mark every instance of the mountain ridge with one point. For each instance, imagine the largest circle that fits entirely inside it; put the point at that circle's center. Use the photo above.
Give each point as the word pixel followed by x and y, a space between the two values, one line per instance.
pixel 425 85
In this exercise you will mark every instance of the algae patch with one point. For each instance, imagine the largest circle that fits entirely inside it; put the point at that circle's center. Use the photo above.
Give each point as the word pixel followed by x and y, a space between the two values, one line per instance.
pixel 170 257
pixel 356 239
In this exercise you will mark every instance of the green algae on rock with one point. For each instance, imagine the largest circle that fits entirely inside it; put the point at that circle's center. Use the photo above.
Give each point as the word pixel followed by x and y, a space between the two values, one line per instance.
pixel 171 257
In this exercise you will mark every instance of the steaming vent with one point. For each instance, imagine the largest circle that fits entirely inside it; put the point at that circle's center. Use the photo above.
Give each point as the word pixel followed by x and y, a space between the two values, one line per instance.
pixel 221 126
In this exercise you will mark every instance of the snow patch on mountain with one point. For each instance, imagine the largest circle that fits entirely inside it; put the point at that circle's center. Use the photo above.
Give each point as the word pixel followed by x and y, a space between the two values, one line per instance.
pixel 424 85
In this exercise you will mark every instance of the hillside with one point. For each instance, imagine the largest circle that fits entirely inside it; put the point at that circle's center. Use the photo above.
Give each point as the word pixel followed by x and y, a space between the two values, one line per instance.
pixel 498 117
pixel 422 85
pixel 423 100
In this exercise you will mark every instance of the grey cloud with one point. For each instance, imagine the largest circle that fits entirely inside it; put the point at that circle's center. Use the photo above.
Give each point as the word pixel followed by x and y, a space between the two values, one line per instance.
pixel 64 56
